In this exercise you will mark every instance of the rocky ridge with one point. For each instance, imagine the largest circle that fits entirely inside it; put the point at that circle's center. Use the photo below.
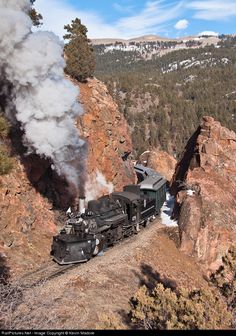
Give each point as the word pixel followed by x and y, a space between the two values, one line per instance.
pixel 205 187
pixel 148 46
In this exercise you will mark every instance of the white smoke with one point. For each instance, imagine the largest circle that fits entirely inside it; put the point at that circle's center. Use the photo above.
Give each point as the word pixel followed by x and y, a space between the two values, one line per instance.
pixel 42 100
pixel 97 186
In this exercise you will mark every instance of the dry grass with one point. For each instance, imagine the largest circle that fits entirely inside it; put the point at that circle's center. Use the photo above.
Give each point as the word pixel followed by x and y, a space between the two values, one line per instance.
pixel 40 307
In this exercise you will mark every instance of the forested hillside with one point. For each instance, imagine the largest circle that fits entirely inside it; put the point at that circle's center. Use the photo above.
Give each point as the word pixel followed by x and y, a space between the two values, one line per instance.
pixel 165 97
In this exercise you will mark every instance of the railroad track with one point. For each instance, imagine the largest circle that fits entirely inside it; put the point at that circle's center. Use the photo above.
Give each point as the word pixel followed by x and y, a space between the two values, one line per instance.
pixel 44 273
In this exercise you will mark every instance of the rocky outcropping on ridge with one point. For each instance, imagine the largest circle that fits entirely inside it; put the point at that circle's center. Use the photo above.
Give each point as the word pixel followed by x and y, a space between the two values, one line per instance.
pixel 205 187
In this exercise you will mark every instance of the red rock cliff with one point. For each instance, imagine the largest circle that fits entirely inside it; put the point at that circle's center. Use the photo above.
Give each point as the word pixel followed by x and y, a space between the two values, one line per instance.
pixel 205 186
pixel 108 136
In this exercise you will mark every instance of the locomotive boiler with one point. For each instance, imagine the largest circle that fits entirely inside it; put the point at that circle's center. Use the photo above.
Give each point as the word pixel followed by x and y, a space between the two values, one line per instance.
pixel 110 218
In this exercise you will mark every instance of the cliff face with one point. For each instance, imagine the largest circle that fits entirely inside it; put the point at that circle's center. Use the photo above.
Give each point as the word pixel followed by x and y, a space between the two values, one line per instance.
pixel 205 187
pixel 108 137
pixel 28 219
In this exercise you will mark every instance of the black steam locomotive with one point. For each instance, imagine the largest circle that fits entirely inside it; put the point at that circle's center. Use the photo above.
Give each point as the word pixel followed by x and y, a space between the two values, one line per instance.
pixel 110 219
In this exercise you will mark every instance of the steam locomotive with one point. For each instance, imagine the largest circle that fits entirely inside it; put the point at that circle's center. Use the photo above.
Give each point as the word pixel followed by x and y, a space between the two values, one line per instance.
pixel 110 218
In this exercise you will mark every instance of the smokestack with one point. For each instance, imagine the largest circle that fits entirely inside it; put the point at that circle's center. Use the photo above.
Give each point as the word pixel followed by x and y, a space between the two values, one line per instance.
pixel 81 204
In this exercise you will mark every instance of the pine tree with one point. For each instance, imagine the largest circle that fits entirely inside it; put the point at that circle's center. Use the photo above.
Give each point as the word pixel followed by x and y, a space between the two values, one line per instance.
pixel 35 16
pixel 80 60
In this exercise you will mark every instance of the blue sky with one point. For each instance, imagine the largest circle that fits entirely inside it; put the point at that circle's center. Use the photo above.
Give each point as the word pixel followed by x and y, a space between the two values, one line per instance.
pixel 132 18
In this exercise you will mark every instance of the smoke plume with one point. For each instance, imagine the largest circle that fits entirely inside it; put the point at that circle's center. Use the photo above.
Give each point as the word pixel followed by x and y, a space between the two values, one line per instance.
pixel 42 100
pixel 97 185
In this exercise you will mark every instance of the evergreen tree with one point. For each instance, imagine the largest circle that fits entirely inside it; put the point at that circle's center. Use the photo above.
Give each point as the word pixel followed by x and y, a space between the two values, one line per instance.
pixel 80 60
pixel 35 16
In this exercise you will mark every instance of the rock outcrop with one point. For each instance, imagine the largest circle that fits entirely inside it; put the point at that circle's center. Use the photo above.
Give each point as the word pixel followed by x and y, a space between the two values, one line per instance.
pixel 27 222
pixel 205 187
pixel 108 137
pixel 160 161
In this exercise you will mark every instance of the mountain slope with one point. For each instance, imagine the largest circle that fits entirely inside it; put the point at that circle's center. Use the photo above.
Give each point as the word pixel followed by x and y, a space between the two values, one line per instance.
pixel 164 98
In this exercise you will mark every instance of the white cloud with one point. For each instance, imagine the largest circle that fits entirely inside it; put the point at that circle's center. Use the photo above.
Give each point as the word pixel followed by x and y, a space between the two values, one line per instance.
pixel 213 9
pixel 181 24
pixel 152 19
pixel 209 33
pixel 122 9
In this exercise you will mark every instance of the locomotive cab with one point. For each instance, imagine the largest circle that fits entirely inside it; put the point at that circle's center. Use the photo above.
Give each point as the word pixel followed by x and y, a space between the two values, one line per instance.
pixel 138 206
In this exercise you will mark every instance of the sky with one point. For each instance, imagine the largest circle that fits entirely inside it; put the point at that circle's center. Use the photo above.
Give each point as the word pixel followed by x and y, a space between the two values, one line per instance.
pixel 133 18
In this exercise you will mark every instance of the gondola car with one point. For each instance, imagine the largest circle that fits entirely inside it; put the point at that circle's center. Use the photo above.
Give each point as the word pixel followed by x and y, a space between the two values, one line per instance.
pixel 110 219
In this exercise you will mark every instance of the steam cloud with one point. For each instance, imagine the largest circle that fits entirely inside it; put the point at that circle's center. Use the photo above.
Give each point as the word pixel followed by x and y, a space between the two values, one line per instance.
pixel 42 100
pixel 97 185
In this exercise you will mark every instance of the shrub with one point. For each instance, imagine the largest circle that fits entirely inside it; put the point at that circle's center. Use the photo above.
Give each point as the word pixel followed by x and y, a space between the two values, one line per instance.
pixel 4 127
pixel 225 280
pixel 109 322
pixel 6 162
pixel 165 309
pixel 10 299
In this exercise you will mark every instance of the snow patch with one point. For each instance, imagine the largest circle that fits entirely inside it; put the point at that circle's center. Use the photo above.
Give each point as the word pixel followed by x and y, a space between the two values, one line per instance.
pixel 146 152
pixel 209 33
pixel 190 192
pixel 189 63
pixel 166 211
